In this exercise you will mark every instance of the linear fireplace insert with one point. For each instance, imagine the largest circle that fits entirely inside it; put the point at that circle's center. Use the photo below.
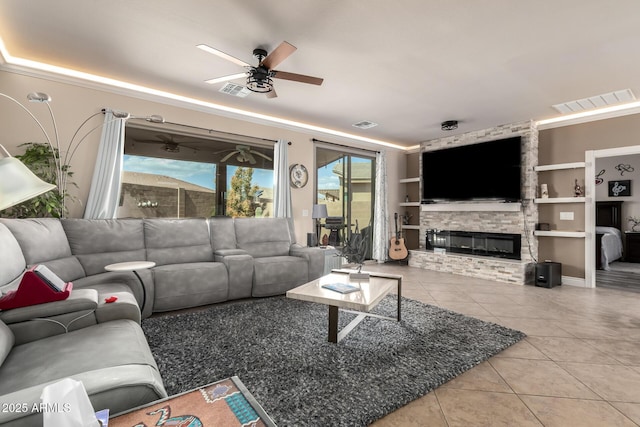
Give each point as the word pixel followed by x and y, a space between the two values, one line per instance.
pixel 498 245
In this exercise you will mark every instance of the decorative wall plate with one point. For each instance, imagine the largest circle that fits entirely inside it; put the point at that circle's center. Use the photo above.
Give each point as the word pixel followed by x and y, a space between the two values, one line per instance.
pixel 298 175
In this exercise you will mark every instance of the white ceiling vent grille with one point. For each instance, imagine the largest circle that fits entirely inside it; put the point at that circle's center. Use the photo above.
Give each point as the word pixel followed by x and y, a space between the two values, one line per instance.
pixel 235 90
pixel 598 101
pixel 365 124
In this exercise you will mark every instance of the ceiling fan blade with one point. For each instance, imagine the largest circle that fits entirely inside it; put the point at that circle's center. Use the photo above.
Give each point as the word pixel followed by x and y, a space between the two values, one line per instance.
pixel 228 156
pixel 272 94
pixel 278 55
pixel 250 157
pixel 226 78
pixel 297 77
pixel 223 55
pixel 264 156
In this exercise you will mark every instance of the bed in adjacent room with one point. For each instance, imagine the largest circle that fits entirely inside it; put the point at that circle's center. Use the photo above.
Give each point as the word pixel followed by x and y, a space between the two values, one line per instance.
pixel 608 233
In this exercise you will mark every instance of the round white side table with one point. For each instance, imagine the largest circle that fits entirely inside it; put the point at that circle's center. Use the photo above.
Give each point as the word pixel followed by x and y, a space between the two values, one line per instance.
pixel 133 266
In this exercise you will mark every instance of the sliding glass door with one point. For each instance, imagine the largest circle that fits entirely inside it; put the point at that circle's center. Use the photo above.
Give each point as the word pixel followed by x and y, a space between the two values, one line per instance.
pixel 345 183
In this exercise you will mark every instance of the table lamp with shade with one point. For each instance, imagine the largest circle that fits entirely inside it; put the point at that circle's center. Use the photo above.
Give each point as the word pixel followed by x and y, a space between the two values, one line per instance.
pixel 319 212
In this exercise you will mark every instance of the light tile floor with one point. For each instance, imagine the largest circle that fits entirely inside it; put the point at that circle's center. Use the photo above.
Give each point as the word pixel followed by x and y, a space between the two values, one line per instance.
pixel 578 366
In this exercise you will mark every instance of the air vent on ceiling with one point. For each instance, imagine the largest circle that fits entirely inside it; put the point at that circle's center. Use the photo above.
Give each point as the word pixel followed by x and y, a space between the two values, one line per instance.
pixel 597 101
pixel 235 90
pixel 365 124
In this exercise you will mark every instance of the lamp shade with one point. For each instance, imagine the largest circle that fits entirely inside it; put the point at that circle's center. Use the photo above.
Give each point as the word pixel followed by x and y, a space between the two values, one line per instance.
pixel 18 183
pixel 319 211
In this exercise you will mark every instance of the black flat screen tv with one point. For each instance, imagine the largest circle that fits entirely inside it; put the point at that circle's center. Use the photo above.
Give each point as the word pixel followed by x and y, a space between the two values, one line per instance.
pixel 488 171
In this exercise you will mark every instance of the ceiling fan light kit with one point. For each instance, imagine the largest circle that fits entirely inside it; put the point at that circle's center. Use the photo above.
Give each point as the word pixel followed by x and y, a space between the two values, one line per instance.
pixel 259 82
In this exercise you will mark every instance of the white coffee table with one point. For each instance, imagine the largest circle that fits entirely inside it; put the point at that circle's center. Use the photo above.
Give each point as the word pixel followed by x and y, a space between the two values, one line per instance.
pixel 359 302
pixel 133 266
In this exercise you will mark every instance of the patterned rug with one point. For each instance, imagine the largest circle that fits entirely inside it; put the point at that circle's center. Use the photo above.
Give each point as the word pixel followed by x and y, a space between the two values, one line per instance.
pixel 279 348
pixel 225 403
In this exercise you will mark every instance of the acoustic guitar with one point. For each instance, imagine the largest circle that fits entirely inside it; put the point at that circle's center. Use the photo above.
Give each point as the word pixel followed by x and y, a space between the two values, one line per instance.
pixel 397 249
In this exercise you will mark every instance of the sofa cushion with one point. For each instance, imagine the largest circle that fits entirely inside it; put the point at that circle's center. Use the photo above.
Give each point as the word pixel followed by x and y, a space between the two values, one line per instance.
pixel 223 233
pixel 43 241
pixel 13 262
pixel 263 237
pixel 99 242
pixel 112 359
pixel 175 241
pixel 276 275
pixel 6 341
pixel 189 285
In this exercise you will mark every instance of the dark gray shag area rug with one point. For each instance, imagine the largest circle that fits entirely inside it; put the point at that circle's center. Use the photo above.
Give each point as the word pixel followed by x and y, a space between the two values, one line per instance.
pixel 278 347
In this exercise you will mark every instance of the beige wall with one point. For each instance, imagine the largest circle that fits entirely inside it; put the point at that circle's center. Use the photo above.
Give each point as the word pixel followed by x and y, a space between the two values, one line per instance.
pixel 568 144
pixel 73 103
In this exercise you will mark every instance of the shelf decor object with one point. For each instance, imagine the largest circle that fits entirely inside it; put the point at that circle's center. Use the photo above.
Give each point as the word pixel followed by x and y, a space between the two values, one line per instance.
pixel 578 191
pixel 544 191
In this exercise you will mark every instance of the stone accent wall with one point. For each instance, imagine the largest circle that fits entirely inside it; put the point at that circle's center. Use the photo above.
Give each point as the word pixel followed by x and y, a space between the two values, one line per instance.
pixel 522 221
pixel 502 270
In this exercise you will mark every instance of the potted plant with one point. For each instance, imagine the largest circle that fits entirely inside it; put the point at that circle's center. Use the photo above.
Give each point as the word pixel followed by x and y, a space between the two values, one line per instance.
pixel 354 251
pixel 41 159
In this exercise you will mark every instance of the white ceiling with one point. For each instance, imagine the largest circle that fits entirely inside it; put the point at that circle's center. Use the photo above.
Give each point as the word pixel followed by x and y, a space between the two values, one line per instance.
pixel 407 65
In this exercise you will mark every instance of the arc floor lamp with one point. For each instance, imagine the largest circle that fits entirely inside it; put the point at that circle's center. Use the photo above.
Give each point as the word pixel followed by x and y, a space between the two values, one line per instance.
pixel 18 183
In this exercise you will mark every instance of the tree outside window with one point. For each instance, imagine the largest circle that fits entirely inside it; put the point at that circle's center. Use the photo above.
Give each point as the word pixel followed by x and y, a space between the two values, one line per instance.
pixel 242 199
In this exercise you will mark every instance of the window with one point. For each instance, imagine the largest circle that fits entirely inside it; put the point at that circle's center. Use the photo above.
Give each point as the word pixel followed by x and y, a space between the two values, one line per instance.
pixel 168 174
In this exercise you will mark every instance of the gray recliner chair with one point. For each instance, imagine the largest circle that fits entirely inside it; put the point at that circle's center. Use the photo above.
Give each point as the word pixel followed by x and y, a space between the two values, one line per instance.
pixel 279 264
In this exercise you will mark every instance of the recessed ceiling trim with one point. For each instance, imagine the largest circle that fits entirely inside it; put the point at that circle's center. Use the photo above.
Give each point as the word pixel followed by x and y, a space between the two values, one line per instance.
pixel 67 75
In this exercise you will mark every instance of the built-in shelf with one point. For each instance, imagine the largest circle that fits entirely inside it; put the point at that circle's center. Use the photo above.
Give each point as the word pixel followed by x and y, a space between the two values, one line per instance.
pixel 560 166
pixel 410 187
pixel 471 207
pixel 558 233
pixel 561 200
pixel 407 180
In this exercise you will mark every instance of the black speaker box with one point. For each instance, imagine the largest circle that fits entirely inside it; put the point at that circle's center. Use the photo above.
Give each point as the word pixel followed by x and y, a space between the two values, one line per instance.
pixel 548 274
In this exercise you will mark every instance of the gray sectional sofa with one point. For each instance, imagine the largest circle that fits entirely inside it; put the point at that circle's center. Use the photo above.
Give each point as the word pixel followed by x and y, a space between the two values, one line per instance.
pixel 197 262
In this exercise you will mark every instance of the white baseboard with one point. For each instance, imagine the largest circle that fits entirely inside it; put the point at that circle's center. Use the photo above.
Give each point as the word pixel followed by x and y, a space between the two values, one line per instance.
pixel 574 281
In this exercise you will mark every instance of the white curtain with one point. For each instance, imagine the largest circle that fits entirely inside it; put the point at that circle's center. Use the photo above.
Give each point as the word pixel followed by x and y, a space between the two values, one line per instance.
pixel 104 194
pixel 281 188
pixel 380 216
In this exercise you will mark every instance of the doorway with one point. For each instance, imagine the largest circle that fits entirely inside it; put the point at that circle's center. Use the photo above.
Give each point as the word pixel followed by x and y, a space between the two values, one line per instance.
pixel 591 173
pixel 345 182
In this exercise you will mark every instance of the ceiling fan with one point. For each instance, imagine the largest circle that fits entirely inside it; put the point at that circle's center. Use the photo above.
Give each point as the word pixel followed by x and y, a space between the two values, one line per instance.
pixel 259 78
pixel 170 145
pixel 245 154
